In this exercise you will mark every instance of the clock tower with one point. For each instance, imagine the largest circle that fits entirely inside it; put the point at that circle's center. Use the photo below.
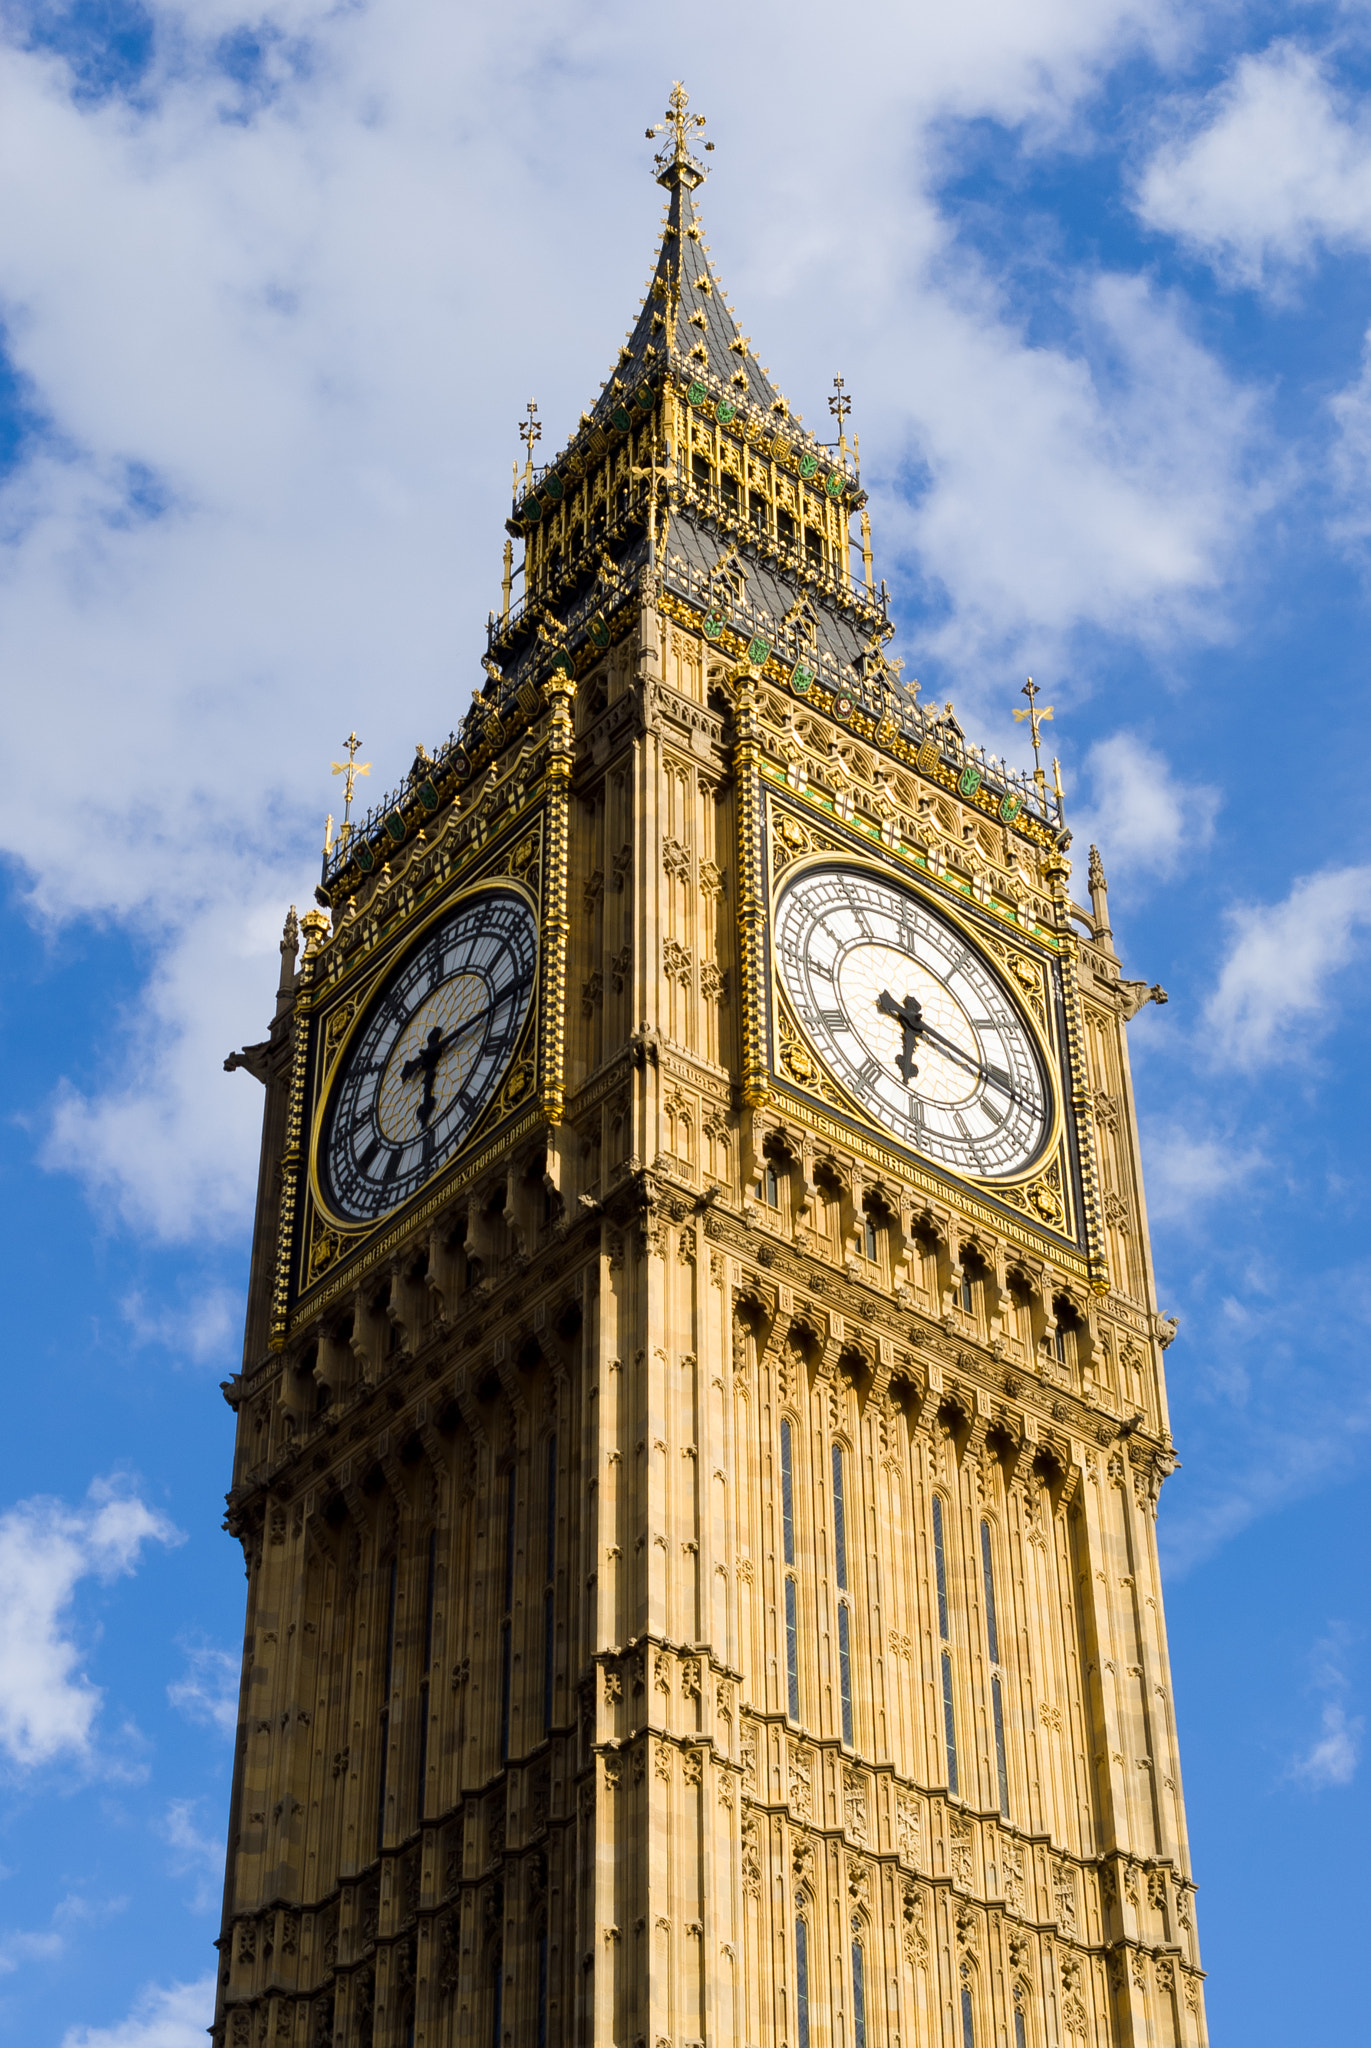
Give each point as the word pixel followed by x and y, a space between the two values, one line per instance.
pixel 702 1411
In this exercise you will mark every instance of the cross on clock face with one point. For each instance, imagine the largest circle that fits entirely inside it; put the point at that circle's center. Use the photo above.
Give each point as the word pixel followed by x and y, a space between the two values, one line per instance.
pixel 431 1051
pixel 912 1021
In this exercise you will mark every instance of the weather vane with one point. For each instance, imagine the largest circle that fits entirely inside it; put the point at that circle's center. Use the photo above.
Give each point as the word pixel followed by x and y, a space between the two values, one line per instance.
pixel 1035 719
pixel 840 405
pixel 530 433
pixel 349 770
pixel 681 124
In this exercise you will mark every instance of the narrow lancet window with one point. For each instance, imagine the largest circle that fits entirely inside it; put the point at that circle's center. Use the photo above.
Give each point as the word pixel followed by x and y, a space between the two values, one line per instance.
pixel 792 1639
pixel 507 1625
pixel 551 1586
pixel 844 1608
pixel 801 1983
pixel 383 1771
pixel 858 1997
pixel 992 1635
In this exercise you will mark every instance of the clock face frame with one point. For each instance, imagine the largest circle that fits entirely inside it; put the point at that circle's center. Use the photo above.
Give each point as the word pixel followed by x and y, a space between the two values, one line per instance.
pixel 425 1056
pixel 855 950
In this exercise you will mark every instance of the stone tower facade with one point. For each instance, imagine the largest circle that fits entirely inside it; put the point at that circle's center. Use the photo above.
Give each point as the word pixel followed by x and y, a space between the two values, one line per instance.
pixel 702 1412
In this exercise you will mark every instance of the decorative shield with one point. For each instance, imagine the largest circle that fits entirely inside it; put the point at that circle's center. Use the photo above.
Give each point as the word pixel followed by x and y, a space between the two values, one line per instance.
pixel 697 394
pixel 833 484
pixel 531 510
pixel 622 418
pixel 842 705
pixel 1010 806
pixel 428 796
pixel 365 860
pixel 801 676
pixel 724 411
pixel 599 631
pixel 808 465
pixel 552 484
pixel 758 649
pixel 713 625
pixel 969 781
pixel 395 825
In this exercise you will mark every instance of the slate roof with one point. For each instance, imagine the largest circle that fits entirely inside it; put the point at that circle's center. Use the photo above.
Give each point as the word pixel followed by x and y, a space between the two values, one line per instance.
pixel 683 283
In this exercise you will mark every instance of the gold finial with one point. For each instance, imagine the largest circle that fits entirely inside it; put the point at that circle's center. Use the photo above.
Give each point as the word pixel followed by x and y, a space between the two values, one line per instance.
pixel 507 583
pixel 675 164
pixel 1035 719
pixel 350 770
pixel 840 405
pixel 530 433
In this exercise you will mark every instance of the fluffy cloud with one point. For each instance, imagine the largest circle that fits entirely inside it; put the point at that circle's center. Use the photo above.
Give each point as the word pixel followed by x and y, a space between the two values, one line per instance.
pixel 194 1855
pixel 164 2016
pixel 208 1692
pixel 1332 1757
pixel 255 316
pixel 1186 1173
pixel 48 1706
pixel 1144 819
pixel 1265 170
pixel 1272 997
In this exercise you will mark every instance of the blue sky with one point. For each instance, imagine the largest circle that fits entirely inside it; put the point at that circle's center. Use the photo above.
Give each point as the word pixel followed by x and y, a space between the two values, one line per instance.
pixel 275 286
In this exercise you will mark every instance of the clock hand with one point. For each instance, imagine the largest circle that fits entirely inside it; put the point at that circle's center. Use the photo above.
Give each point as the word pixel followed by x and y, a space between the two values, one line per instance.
pixel 910 1017
pixel 948 1046
pixel 426 1062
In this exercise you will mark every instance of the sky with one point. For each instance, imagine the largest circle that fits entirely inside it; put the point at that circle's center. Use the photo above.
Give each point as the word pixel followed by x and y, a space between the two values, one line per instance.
pixel 275 286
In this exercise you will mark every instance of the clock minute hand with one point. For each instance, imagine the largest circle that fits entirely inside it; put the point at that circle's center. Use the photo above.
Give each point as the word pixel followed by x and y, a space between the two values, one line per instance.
pixel 948 1045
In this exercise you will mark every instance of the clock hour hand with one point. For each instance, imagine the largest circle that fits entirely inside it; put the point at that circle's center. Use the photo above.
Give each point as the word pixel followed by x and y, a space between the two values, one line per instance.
pixel 910 1018
pixel 426 1063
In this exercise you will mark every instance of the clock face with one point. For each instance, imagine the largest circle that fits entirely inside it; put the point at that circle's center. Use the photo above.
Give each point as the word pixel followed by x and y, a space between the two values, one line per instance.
pixel 431 1051
pixel 912 1021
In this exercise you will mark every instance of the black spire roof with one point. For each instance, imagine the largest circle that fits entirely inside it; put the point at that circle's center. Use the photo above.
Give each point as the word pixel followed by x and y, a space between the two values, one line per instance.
pixel 685 318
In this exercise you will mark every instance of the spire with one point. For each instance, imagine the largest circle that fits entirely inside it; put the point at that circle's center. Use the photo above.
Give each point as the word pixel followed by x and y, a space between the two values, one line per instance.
pixel 685 320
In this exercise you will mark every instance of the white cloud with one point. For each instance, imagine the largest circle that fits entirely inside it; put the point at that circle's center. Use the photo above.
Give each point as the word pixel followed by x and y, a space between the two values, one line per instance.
pixel 48 1706
pixel 1266 169
pixel 281 315
pixel 1272 997
pixel 1332 1757
pixel 194 1855
pixel 209 1691
pixel 1144 819
pixel 1186 1172
pixel 163 2016
pixel 201 1327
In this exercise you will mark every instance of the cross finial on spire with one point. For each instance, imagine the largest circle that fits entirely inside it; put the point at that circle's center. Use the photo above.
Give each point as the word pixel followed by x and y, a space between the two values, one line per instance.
pixel 1035 719
pixel 350 770
pixel 676 160
pixel 840 405
pixel 530 433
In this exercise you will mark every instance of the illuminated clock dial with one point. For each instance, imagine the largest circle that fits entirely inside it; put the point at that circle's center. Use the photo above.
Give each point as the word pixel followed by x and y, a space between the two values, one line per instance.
pixel 912 1021
pixel 430 1053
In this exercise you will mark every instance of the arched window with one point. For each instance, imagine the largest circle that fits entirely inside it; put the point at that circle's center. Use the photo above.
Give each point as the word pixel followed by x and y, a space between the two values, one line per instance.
pixel 968 2017
pixel 550 1586
pixel 858 1986
pixel 383 1772
pixel 949 1707
pixel 507 1621
pixel 430 1590
pixel 801 1982
pixel 844 1605
pixel 792 1647
pixel 992 1631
